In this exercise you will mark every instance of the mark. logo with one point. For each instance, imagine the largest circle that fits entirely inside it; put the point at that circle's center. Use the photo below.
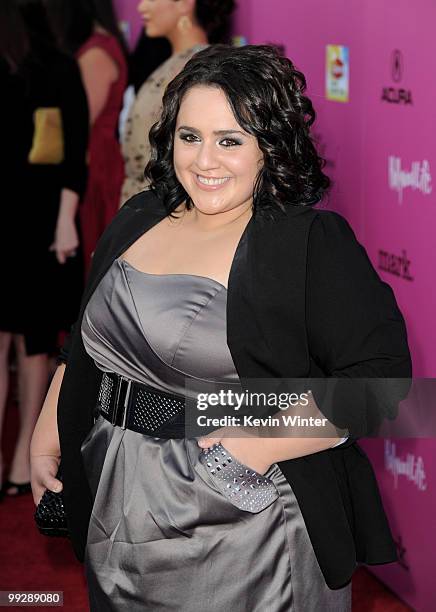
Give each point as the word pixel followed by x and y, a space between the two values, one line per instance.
pixel 398 265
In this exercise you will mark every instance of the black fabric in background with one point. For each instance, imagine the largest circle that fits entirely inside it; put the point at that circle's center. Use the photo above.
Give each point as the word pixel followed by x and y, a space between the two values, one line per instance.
pixel 149 54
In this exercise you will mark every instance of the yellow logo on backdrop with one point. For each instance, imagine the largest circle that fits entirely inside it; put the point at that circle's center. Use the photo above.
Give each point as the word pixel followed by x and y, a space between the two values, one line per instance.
pixel 239 41
pixel 337 73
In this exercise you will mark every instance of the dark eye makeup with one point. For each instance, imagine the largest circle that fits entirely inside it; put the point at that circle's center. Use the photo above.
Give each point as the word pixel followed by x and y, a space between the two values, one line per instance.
pixel 225 142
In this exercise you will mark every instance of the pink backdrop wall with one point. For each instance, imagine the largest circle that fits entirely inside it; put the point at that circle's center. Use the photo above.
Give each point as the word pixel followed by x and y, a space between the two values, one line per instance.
pixel 127 12
pixel 392 47
pixel 359 138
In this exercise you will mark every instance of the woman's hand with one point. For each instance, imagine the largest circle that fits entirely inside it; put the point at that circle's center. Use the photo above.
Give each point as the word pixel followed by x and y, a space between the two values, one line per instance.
pixel 66 239
pixel 254 452
pixel 43 469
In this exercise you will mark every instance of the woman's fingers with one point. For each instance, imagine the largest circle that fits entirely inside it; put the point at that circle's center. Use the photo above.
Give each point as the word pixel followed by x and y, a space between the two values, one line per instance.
pixel 39 487
pixel 64 251
pixel 43 476
pixel 61 256
pixel 205 442
pixel 53 484
pixel 216 436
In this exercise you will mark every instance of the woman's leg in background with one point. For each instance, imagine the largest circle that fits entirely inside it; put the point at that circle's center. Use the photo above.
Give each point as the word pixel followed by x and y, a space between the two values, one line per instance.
pixel 5 343
pixel 33 375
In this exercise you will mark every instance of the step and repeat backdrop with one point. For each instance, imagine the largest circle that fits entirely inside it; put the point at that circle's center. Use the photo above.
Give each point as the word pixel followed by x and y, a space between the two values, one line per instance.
pixel 371 72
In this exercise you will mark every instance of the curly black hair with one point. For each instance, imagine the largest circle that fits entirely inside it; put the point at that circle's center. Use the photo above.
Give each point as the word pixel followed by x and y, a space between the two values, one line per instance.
pixel 266 94
pixel 213 16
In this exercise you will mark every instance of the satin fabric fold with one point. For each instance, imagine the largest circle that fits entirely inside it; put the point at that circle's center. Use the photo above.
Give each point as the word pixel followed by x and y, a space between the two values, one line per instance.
pixel 163 537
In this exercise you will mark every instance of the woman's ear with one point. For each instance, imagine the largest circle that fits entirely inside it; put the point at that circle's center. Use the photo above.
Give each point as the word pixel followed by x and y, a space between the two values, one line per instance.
pixel 187 7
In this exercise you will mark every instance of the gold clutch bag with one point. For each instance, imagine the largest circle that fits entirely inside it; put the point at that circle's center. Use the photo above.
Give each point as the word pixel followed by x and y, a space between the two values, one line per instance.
pixel 48 138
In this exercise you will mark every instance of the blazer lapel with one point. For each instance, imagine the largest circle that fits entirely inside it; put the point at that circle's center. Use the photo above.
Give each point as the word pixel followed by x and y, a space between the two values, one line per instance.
pixel 267 296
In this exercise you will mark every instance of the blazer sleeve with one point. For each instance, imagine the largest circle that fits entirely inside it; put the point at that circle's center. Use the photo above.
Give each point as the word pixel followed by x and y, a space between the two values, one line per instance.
pixel 75 122
pixel 355 330
pixel 62 356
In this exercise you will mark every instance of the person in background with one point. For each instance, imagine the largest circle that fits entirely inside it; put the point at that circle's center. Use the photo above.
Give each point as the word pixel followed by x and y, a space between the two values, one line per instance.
pixel 88 29
pixel 188 25
pixel 147 56
pixel 42 273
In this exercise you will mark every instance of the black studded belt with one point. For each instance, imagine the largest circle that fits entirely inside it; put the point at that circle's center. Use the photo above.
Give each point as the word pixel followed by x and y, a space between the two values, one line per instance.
pixel 141 408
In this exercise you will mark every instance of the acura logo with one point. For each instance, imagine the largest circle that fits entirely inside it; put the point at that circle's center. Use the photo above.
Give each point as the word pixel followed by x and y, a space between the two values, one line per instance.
pixel 397 66
pixel 397 94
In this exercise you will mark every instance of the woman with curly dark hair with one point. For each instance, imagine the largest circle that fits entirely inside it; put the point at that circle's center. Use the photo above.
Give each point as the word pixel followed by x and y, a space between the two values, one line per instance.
pixel 223 273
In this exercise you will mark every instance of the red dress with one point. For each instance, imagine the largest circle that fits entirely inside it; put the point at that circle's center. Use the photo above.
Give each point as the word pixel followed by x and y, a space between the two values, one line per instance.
pixel 106 166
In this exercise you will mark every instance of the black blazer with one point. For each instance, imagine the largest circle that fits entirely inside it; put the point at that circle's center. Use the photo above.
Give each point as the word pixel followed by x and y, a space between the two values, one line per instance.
pixel 303 301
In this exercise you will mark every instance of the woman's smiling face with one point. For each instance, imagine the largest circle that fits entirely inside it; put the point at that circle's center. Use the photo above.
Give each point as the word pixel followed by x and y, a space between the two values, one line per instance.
pixel 215 160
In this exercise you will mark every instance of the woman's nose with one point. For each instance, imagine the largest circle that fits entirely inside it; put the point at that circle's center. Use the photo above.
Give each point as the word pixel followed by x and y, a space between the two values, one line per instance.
pixel 207 157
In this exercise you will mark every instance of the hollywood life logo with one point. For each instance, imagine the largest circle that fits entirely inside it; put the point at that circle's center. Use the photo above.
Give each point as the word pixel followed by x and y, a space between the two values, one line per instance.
pixel 411 466
pixel 417 178
pixel 395 93
pixel 398 265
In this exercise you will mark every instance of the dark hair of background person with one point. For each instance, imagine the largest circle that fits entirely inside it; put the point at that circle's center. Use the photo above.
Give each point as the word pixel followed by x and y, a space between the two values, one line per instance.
pixel 36 22
pixel 149 54
pixel 266 95
pixel 73 21
pixel 14 41
pixel 214 17
pixel 33 38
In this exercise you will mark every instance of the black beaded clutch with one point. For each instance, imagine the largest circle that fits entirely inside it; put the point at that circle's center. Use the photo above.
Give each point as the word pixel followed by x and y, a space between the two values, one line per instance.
pixel 50 516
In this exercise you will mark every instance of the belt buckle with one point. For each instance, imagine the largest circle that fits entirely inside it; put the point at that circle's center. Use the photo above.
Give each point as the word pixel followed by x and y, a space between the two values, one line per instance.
pixel 116 413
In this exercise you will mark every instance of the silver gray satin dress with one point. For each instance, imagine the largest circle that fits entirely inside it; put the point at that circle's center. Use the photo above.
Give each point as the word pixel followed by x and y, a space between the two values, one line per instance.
pixel 162 536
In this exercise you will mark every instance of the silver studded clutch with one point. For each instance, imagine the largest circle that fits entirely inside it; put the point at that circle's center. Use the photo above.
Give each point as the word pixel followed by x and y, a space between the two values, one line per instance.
pixel 244 487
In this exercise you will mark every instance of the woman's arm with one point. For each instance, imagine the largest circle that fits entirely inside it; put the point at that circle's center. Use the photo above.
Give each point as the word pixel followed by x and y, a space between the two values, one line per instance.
pixel 259 447
pixel 99 71
pixel 355 331
pixel 74 111
pixel 66 239
pixel 44 447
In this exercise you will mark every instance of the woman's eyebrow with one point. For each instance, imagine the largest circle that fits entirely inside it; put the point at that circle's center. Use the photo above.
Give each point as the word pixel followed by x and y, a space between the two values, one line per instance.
pixel 216 132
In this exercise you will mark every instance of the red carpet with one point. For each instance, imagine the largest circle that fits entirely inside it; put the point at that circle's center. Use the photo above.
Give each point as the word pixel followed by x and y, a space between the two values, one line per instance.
pixel 30 561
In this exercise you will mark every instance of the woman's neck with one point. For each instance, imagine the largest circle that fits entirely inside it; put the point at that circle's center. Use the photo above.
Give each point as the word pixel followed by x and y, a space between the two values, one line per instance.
pixel 216 222
pixel 182 41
